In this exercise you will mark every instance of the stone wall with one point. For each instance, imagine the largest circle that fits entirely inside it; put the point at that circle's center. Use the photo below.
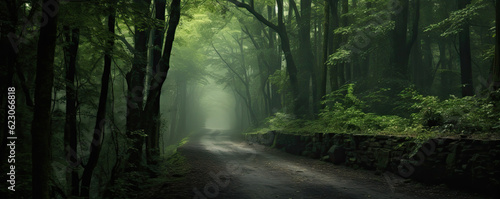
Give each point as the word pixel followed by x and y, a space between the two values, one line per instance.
pixel 462 163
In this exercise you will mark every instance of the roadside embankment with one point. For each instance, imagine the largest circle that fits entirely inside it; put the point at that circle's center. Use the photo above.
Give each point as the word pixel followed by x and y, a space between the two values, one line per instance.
pixel 461 163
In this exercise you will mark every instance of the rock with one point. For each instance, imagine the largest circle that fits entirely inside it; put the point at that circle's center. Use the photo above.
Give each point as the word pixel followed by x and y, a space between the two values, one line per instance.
pixel 337 154
pixel 325 158
pixel 382 157
pixel 307 153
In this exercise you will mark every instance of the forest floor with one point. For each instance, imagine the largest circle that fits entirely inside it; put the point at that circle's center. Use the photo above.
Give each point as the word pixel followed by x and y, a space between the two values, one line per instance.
pixel 220 164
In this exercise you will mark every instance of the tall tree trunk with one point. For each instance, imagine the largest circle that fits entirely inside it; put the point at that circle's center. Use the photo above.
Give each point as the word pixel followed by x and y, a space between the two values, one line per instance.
pixel 445 71
pixel 341 67
pixel 135 88
pixel 326 30
pixel 334 43
pixel 153 127
pixel 9 59
pixel 98 134
pixel 181 130
pixel 416 64
pixel 41 126
pixel 275 64
pixel 400 32
pixel 72 39
pixel 427 66
pixel 401 44
pixel 163 65
pixel 495 72
pixel 306 60
pixel 465 55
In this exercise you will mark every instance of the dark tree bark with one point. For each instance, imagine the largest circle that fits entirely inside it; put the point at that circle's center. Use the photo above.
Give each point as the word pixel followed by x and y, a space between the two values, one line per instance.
pixel 274 65
pixel 163 65
pixel 9 59
pixel 495 72
pixel 153 127
pixel 445 73
pixel 341 72
pixel 465 55
pixel 426 69
pixel 98 134
pixel 41 126
pixel 401 44
pixel 307 58
pixel 334 43
pixel 306 61
pixel 72 39
pixel 135 81
pixel 326 30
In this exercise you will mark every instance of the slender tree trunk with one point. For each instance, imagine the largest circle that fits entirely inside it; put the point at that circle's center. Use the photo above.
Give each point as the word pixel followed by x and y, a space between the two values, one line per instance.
pixel 98 134
pixel 326 29
pixel 275 64
pixel 344 23
pixel 465 55
pixel 495 72
pixel 41 126
pixel 174 119
pixel 72 38
pixel 334 44
pixel 182 107
pixel 445 83
pixel 427 66
pixel 261 63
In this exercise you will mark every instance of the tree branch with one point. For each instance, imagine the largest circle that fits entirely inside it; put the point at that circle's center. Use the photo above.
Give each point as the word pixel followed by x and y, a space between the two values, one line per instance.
pixel 255 13
pixel 229 66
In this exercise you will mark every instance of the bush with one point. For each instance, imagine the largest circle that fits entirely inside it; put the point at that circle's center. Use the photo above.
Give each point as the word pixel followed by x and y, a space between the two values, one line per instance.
pixel 456 115
pixel 346 113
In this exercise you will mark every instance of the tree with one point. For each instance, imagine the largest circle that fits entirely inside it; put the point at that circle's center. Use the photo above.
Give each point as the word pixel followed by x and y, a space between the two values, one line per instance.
pixel 163 65
pixel 324 68
pixel 334 42
pixel 98 134
pixel 298 99
pixel 152 131
pixel 401 44
pixel 72 38
pixel 243 79
pixel 495 72
pixel 41 125
pixel 9 58
pixel 135 86
pixel 465 54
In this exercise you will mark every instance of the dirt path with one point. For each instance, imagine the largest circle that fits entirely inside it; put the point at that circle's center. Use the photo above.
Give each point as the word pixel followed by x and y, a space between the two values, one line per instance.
pixel 222 165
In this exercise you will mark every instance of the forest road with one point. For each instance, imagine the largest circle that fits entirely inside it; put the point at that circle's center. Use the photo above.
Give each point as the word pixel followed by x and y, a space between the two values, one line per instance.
pixel 223 165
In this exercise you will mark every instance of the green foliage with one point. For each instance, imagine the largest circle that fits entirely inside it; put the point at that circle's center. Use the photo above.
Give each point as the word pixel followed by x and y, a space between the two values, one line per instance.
pixel 348 99
pixel 280 79
pixel 457 20
pixel 456 115
pixel 429 116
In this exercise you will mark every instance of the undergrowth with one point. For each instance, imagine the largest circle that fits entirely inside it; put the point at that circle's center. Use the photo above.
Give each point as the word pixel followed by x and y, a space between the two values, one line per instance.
pixel 426 116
